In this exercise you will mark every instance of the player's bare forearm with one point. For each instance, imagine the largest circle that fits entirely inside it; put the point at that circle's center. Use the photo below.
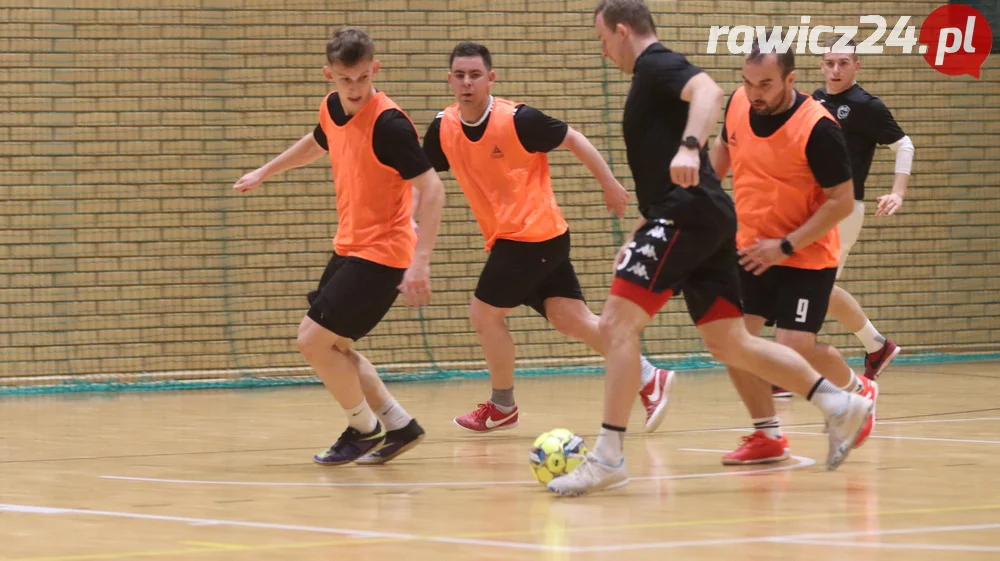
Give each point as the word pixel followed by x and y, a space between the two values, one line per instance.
pixel 838 206
pixel 587 153
pixel 429 210
pixel 705 98
pixel 718 155
pixel 302 153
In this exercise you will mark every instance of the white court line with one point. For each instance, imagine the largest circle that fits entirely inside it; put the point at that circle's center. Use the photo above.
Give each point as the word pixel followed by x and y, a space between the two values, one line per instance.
pixel 286 527
pixel 884 545
pixel 938 421
pixel 792 539
pixel 921 438
pixel 803 462
pixel 795 538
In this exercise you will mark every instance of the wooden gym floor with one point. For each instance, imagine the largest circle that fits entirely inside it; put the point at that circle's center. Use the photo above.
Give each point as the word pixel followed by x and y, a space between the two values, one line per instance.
pixel 227 475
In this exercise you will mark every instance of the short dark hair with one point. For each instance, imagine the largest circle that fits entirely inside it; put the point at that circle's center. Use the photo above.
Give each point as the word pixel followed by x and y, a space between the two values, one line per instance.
pixel 786 60
pixel 832 40
pixel 633 13
pixel 470 49
pixel 349 46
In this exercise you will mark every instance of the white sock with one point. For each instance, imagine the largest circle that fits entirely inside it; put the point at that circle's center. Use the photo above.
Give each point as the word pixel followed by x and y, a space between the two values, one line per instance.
pixel 361 417
pixel 769 426
pixel 393 416
pixel 610 446
pixel 830 399
pixel 648 371
pixel 855 385
pixel 870 338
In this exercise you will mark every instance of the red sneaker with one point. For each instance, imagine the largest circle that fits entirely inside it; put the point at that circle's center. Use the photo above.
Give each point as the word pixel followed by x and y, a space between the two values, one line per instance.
pixel 655 396
pixel 780 392
pixel 876 362
pixel 487 419
pixel 871 392
pixel 758 449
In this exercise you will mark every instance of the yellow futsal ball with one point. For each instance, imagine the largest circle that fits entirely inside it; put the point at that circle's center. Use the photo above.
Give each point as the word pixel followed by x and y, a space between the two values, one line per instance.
pixel 555 453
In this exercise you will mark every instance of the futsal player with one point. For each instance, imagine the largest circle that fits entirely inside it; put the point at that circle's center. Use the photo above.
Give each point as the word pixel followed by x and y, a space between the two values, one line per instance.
pixel 498 151
pixel 792 182
pixel 377 160
pixel 685 240
pixel 866 122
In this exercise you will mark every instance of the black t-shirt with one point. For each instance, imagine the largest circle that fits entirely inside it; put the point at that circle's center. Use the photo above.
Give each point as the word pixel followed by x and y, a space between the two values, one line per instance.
pixel 536 131
pixel 866 121
pixel 654 120
pixel 394 140
pixel 826 149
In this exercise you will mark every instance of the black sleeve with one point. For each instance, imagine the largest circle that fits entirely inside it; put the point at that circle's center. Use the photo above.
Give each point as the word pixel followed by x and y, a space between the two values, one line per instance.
pixel 826 151
pixel 672 72
pixel 725 135
pixel 397 145
pixel 320 137
pixel 882 127
pixel 432 146
pixel 537 131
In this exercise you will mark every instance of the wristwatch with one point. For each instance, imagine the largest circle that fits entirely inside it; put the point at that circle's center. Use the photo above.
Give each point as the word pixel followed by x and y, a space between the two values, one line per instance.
pixel 691 142
pixel 786 247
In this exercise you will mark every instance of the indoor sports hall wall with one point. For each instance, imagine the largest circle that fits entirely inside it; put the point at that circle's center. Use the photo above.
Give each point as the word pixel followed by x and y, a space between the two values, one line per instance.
pixel 125 123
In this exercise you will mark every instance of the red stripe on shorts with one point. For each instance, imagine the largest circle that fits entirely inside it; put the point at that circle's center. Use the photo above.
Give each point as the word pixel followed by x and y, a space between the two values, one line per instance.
pixel 646 299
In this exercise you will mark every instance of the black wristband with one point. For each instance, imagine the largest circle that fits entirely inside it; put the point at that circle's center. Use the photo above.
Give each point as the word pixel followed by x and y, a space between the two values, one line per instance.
pixel 786 247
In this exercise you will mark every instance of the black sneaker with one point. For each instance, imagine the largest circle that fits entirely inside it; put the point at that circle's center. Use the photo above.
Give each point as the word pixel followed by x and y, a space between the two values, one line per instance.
pixel 350 446
pixel 396 442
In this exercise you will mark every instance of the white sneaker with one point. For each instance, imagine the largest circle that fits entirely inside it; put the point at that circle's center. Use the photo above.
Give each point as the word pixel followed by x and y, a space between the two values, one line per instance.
pixel 590 475
pixel 844 428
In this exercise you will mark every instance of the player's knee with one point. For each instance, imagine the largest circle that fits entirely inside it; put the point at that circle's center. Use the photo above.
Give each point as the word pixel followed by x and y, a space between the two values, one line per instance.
pixel 569 320
pixel 720 350
pixel 308 342
pixel 484 317
pixel 729 346
pixel 801 342
pixel 616 328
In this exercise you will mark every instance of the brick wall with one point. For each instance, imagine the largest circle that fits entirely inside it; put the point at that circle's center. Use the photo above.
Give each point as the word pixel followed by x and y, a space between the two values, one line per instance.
pixel 124 125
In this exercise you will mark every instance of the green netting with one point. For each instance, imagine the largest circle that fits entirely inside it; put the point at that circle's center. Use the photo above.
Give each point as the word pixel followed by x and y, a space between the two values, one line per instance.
pixel 127 263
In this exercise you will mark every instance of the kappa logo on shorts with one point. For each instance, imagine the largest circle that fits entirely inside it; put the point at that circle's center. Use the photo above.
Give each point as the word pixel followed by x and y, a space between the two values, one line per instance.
pixel 647 250
pixel 497 153
pixel 659 233
pixel 639 270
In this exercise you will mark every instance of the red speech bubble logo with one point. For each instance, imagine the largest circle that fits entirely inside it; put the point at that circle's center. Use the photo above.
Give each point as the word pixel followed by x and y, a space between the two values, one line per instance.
pixel 956 40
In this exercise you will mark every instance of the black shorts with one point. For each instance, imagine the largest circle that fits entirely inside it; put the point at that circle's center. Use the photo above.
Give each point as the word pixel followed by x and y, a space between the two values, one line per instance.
pixel 699 262
pixel 528 273
pixel 789 297
pixel 354 295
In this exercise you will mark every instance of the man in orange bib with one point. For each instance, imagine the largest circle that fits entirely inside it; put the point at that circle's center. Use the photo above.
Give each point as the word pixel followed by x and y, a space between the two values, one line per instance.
pixel 497 150
pixel 793 184
pixel 377 163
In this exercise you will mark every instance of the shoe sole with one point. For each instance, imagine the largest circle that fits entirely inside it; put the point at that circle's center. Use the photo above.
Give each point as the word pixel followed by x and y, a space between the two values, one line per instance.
pixel 831 466
pixel 504 426
pixel 773 460
pixel 661 410
pixel 379 460
pixel 581 493
pixel 874 407
pixel 885 363
pixel 782 395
